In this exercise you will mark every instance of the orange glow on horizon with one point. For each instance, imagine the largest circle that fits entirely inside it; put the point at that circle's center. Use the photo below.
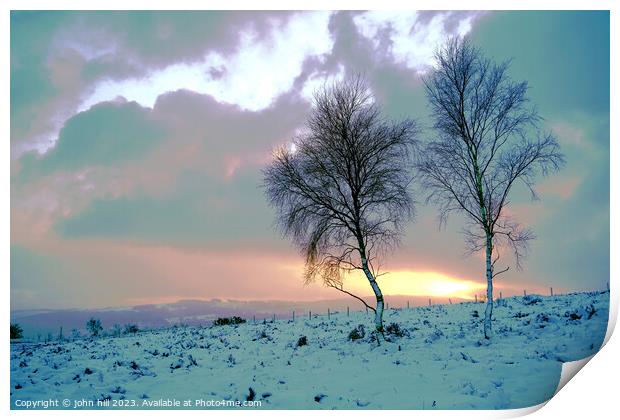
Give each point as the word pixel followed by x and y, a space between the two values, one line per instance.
pixel 421 283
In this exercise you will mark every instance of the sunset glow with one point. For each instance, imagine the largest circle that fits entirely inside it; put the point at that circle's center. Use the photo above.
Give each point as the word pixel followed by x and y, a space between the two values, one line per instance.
pixel 422 283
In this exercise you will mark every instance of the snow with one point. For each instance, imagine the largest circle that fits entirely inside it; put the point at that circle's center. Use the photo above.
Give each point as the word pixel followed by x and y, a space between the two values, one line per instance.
pixel 441 361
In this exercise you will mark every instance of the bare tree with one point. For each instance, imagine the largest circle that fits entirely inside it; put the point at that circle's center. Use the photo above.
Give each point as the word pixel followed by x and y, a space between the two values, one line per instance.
pixel 487 140
pixel 341 189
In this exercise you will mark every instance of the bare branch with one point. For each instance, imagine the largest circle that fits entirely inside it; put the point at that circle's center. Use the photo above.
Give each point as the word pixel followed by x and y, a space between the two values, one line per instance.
pixel 500 272
pixel 352 295
pixel 342 193
pixel 487 140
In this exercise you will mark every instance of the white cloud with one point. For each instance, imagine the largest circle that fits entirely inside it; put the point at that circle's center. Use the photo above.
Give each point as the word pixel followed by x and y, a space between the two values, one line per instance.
pixel 252 78
pixel 412 40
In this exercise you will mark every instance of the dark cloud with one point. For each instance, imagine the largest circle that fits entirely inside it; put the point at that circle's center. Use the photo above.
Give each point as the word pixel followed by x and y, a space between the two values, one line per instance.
pixel 157 38
pixel 202 211
pixel 106 134
pixel 227 128
pixel 216 198
pixel 57 56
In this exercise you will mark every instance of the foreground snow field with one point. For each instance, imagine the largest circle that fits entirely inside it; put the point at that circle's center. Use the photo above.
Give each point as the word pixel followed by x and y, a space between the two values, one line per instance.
pixel 440 362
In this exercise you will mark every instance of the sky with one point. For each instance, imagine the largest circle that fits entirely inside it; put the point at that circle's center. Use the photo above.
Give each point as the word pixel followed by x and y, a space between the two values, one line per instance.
pixel 138 138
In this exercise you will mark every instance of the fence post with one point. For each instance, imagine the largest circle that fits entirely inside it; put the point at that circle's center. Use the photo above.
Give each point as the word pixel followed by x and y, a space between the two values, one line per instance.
pixel 551 288
pixel 347 311
pixel 429 302
pixel 328 314
pixel 293 316
pixel 476 298
pixel 366 310
pixel 254 319
pixel 524 293
pixel 309 314
pixel 500 295
pixel 407 304
pixel 450 300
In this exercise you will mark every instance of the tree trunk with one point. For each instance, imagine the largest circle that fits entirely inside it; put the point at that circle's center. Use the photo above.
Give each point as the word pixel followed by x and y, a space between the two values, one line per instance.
pixel 378 295
pixel 489 310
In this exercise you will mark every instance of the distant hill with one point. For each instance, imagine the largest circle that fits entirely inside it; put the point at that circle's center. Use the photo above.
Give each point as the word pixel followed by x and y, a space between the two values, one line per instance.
pixel 193 312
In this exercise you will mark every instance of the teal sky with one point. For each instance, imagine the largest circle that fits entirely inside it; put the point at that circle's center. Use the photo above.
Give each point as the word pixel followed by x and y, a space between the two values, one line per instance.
pixel 137 140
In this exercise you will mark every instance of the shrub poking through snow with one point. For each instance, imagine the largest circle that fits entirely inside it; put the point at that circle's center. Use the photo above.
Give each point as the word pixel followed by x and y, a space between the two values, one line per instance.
pixel 177 365
pixel 116 330
pixel 263 334
pixel 231 361
pixel 303 341
pixel 118 390
pixel 131 328
pixel 531 299
pixel 94 327
pixel 229 321
pixel 434 336
pixel 319 397
pixel 573 316
pixel 357 333
pixel 395 330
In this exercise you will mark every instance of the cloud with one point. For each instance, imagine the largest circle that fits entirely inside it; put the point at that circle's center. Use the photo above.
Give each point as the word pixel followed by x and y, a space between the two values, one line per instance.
pixel 411 37
pixel 200 211
pixel 187 171
pixel 154 39
pixel 108 133
pixel 262 67
pixel 226 129
pixel 570 134
pixel 585 135
pixel 49 77
pixel 564 187
pixel 244 59
pixel 63 63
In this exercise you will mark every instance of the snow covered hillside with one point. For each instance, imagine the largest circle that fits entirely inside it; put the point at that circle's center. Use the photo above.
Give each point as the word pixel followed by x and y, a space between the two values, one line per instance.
pixel 436 359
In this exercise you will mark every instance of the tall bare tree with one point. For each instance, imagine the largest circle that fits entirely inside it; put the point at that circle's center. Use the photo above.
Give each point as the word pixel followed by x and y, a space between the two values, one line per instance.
pixel 488 139
pixel 341 189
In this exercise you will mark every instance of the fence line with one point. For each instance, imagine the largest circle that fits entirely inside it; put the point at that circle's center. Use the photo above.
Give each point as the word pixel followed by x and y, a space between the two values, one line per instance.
pixel 41 338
